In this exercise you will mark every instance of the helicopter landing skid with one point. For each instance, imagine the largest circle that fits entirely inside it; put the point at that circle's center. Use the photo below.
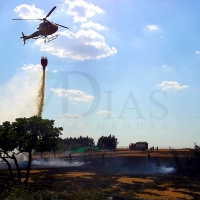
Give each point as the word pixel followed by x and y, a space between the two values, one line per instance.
pixel 49 39
pixel 35 38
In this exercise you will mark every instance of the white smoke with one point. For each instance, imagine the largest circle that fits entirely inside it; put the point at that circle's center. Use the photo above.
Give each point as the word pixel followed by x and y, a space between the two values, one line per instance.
pixel 163 169
pixel 167 170
pixel 54 162
pixel 19 96
pixel 21 157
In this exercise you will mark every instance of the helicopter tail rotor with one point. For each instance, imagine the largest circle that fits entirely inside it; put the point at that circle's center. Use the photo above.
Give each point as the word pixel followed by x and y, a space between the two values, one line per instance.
pixel 24 38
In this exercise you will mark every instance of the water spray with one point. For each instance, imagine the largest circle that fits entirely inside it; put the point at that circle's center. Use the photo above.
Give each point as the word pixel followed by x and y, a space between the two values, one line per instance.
pixel 41 95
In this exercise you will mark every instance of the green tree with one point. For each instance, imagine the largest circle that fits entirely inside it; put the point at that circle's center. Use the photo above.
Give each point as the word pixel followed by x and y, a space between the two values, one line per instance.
pixel 196 158
pixel 196 152
pixel 76 143
pixel 107 142
pixel 27 135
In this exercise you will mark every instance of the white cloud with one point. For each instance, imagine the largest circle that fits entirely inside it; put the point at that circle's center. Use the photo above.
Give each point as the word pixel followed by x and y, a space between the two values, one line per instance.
pixel 55 71
pixel 26 11
pixel 32 68
pixel 104 112
pixel 166 67
pixel 73 95
pixel 81 10
pixel 152 27
pixel 93 25
pixel 19 97
pixel 166 85
pixel 70 116
pixel 83 45
pixel 197 52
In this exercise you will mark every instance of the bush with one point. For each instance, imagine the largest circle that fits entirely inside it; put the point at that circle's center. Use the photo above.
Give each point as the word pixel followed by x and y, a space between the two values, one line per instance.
pixel 107 142
pixel 19 193
pixel 23 193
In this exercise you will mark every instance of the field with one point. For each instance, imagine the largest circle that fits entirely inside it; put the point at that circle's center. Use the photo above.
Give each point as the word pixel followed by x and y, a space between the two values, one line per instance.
pixel 116 175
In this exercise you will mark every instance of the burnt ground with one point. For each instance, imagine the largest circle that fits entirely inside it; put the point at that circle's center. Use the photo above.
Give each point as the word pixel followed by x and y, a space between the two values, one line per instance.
pixel 117 175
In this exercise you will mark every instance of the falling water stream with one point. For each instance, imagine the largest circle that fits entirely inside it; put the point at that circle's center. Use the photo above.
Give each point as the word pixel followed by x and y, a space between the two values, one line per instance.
pixel 41 94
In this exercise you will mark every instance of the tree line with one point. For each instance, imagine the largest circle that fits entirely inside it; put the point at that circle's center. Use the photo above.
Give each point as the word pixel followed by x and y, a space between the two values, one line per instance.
pixel 103 143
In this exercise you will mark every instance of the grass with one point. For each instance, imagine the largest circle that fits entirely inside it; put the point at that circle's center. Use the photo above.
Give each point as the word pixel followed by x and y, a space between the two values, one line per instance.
pixel 19 193
pixel 170 193
pixel 76 186
pixel 23 193
pixel 129 180
pixel 77 174
pixel 122 178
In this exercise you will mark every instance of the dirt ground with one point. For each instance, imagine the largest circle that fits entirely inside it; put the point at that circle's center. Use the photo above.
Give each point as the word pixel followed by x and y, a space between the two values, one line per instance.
pixel 120 175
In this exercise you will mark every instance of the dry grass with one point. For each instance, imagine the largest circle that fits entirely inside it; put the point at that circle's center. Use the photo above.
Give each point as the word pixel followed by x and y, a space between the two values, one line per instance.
pixel 167 184
pixel 77 174
pixel 120 178
pixel 129 180
pixel 120 152
pixel 170 193
pixel 35 171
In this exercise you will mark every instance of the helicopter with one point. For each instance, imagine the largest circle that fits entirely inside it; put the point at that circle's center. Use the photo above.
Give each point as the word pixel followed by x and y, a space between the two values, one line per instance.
pixel 46 28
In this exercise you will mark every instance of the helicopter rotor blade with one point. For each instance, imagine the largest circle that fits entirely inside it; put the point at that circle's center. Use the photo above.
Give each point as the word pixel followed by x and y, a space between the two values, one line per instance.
pixel 27 19
pixel 62 26
pixel 50 12
pixel 44 19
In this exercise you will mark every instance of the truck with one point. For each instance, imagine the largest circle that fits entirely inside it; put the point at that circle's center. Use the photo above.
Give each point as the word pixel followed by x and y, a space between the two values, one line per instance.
pixel 138 146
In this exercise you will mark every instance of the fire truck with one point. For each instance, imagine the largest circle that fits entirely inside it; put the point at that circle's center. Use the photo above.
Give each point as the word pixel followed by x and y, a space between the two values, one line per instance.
pixel 138 146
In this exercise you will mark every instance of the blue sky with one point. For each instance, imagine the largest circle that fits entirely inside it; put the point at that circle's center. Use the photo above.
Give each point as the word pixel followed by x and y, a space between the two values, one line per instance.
pixel 126 68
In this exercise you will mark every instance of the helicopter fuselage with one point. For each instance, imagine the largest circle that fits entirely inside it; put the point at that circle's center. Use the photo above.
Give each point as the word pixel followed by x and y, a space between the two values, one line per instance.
pixel 47 28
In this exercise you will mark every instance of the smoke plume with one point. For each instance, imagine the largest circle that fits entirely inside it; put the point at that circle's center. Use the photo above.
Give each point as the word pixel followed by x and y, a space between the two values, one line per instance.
pixel 19 96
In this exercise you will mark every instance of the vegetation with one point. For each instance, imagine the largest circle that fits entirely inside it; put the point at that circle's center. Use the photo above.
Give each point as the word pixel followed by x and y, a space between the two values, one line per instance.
pixel 196 152
pixel 19 192
pixel 27 135
pixel 107 142
pixel 104 142
pixel 76 143
pixel 193 163
pixel 121 177
pixel 40 135
pixel 23 193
